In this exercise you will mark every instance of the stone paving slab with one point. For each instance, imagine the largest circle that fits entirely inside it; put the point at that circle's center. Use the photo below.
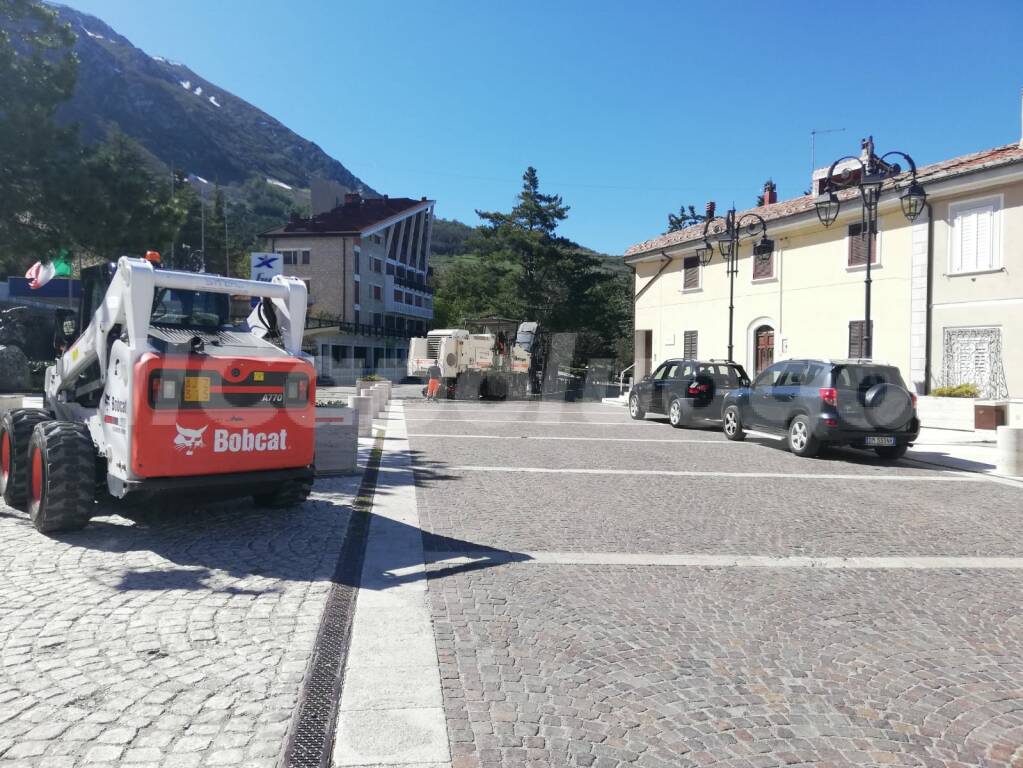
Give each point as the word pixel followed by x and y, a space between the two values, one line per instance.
pixel 667 667
pixel 593 513
pixel 167 637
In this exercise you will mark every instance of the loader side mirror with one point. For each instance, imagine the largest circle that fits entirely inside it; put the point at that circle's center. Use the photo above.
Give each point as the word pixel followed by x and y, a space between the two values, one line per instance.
pixel 65 330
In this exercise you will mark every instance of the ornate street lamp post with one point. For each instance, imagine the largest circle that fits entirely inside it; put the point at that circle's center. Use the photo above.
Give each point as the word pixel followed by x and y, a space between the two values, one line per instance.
pixel 727 231
pixel 868 174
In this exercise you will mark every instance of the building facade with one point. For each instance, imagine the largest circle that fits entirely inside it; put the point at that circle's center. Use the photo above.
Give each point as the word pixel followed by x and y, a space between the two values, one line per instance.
pixel 947 289
pixel 366 263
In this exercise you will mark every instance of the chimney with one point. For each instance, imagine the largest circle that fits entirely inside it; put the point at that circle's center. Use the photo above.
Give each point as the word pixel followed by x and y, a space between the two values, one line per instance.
pixel 353 198
pixel 770 193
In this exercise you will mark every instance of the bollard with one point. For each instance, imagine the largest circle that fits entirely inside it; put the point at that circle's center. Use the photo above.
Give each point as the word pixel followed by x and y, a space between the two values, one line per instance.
pixel 1010 451
pixel 337 441
pixel 363 404
pixel 380 393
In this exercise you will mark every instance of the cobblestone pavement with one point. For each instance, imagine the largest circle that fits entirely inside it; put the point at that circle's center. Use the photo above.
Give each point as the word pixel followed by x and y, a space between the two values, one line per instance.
pixel 629 664
pixel 162 638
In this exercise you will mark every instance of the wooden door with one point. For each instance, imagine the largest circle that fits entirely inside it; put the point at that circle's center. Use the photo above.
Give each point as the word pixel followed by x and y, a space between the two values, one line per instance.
pixel 764 339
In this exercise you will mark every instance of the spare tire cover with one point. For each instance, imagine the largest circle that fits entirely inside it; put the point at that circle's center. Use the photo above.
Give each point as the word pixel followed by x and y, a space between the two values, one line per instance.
pixel 888 406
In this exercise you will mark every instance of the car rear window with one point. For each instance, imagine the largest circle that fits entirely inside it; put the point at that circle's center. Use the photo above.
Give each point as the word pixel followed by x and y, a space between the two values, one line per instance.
pixel 722 375
pixel 863 377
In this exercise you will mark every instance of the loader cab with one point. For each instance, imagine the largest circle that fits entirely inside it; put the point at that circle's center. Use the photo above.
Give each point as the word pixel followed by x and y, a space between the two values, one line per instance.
pixel 69 323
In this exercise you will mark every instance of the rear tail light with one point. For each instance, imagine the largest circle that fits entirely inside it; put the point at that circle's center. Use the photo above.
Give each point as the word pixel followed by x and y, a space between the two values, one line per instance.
pixel 912 397
pixel 698 389
pixel 297 390
pixel 164 390
pixel 829 396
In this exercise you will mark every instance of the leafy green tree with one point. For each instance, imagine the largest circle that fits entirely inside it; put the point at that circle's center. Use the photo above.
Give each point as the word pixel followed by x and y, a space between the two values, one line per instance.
pixel 121 208
pixel 687 216
pixel 37 74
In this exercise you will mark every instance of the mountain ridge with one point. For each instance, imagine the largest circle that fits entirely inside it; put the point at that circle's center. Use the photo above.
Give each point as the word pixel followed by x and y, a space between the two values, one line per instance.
pixel 183 120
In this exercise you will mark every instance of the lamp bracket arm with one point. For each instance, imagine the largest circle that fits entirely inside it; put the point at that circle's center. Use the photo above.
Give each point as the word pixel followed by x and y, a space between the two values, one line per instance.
pixel 831 171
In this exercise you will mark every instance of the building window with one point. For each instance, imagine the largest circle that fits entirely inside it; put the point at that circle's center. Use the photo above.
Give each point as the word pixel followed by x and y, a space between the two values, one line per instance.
pixel 288 257
pixel 419 301
pixel 305 257
pixel 858 247
pixel 355 293
pixel 390 269
pixel 690 273
pixel 974 243
pixel 376 239
pixel 399 295
pixel 378 265
pixel 763 266
pixel 689 344
pixel 355 261
pixel 377 320
pixel 857 347
pixel 378 293
pixel 355 318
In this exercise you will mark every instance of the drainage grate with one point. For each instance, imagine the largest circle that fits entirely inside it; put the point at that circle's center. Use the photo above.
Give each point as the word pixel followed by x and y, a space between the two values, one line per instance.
pixel 312 732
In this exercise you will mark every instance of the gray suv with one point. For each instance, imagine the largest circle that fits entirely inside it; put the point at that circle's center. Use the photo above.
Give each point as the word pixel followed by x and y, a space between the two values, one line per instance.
pixel 816 403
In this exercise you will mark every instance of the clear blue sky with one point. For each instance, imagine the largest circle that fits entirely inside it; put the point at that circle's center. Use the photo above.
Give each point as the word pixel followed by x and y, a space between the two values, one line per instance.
pixel 627 109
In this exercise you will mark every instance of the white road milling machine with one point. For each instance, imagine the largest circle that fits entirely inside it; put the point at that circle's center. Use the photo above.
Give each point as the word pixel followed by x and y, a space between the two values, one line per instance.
pixel 162 395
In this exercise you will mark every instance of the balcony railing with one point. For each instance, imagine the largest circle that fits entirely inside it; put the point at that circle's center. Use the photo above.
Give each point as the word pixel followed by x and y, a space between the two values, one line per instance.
pixel 413 284
pixel 358 329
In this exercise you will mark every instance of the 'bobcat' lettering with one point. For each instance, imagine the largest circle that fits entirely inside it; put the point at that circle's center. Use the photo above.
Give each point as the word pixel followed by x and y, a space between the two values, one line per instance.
pixel 225 441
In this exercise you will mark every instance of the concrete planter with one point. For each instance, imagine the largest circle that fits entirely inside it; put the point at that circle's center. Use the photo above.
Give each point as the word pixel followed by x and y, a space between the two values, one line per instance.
pixel 363 404
pixel 337 441
pixel 379 392
pixel 946 412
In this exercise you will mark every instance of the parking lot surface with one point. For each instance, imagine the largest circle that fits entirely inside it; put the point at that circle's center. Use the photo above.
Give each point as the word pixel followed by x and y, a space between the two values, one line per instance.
pixel 615 593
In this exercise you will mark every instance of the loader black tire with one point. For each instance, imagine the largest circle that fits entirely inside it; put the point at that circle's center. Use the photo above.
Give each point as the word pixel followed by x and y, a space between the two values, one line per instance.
pixel 15 431
pixel 290 493
pixel 61 476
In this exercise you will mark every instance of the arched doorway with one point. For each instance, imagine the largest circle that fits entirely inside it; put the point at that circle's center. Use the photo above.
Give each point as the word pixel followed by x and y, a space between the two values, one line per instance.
pixel 763 348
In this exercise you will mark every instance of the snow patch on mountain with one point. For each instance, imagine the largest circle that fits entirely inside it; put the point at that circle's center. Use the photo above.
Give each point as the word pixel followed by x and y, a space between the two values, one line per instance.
pixel 93 34
pixel 198 90
pixel 214 102
pixel 186 84
pixel 276 183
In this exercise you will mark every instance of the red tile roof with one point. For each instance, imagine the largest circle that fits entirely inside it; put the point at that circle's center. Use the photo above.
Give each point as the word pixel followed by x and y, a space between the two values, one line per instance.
pixel 351 218
pixel 977 161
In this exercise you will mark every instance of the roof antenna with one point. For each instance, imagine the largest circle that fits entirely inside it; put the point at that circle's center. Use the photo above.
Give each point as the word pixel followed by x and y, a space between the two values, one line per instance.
pixel 813 144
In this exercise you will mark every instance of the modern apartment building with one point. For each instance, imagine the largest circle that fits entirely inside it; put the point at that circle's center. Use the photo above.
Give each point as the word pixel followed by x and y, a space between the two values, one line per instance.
pixel 366 263
pixel 947 288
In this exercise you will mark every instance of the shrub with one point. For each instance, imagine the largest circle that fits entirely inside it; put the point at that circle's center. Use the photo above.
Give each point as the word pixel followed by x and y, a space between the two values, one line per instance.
pixel 372 377
pixel 960 390
pixel 331 404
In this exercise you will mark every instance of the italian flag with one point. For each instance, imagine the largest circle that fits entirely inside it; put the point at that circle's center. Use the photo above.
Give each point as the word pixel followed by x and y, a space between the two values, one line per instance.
pixel 42 272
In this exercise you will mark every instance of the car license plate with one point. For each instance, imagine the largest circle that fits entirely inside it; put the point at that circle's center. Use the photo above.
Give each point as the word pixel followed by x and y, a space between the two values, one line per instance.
pixel 878 440
pixel 197 389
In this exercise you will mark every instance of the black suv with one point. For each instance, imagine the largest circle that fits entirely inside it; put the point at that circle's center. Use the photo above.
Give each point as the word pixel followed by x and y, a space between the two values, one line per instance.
pixel 686 390
pixel 814 403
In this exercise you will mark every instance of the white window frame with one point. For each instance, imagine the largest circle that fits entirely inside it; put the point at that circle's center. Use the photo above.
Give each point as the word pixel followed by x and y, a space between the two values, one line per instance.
pixel 997 202
pixel 699 275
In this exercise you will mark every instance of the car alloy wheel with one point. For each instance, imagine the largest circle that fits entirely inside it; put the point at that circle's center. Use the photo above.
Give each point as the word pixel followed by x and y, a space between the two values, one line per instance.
pixel 798 435
pixel 731 423
pixel 675 413
pixel 633 406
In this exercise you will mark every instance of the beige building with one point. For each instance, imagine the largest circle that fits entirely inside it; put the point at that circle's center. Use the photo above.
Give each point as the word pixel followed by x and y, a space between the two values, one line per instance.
pixel 366 263
pixel 947 295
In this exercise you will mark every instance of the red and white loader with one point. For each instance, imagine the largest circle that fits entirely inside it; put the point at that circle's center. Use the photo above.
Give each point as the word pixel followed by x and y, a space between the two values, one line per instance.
pixel 162 395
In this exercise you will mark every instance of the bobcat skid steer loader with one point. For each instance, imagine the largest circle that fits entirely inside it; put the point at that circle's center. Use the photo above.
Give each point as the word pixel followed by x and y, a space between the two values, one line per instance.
pixel 162 395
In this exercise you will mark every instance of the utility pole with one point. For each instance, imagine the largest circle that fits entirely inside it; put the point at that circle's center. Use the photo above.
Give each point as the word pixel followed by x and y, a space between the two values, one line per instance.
pixel 227 250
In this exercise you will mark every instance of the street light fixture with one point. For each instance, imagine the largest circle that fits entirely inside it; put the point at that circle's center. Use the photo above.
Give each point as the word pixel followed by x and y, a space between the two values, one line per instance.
pixel 873 172
pixel 728 231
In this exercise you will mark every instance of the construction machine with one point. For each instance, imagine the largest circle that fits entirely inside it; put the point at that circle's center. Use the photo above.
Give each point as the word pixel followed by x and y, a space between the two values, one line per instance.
pixel 162 394
pixel 490 358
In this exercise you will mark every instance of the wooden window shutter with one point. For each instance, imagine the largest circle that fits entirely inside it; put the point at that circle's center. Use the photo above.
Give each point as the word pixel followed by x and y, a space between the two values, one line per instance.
pixel 858 247
pixel 972 245
pixel 689 339
pixel 763 266
pixel 690 272
pixel 857 348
